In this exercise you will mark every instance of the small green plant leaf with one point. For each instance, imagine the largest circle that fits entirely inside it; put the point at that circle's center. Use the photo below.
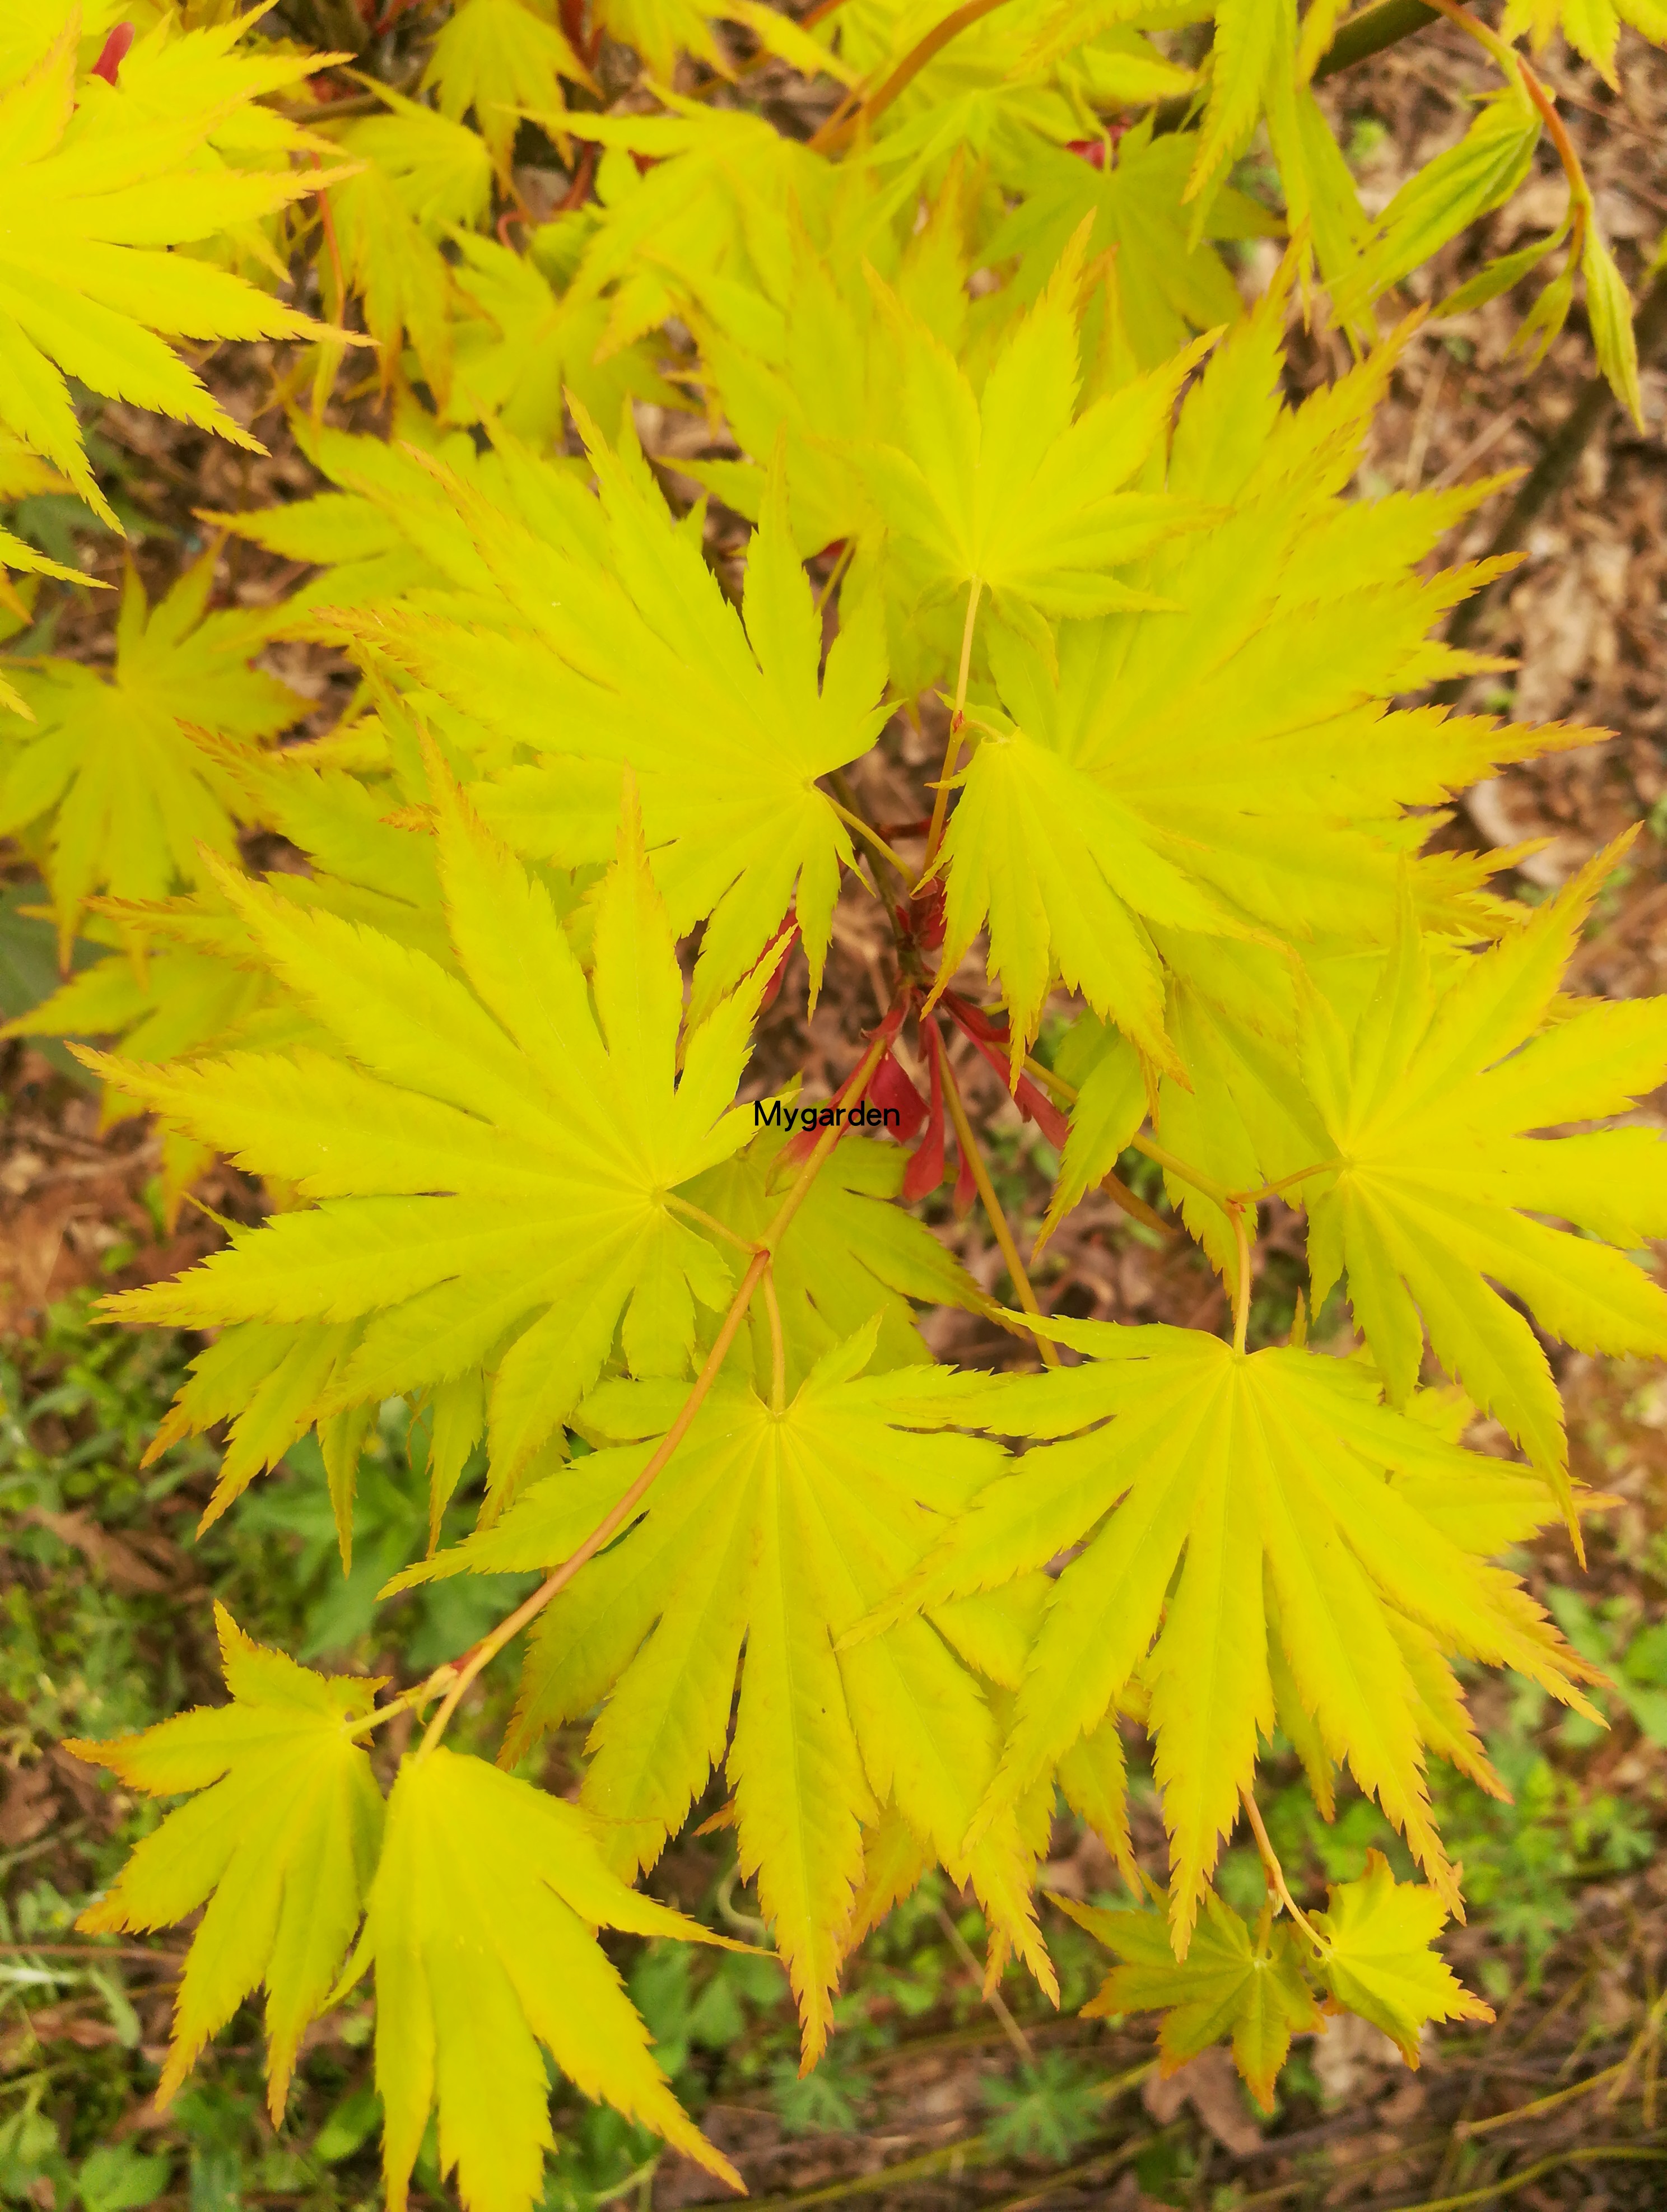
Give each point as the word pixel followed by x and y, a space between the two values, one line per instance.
pixel 1235 1980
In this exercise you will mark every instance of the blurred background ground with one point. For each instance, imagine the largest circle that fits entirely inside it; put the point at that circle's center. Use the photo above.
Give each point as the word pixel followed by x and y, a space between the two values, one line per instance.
pixel 932 2098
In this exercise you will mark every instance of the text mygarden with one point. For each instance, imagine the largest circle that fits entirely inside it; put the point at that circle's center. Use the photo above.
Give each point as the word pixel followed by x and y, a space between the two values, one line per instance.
pixel 776 1115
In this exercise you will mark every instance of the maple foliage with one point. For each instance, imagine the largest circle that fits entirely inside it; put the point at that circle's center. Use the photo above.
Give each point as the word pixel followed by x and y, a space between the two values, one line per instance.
pixel 501 987
pixel 102 767
pixel 475 1970
pixel 98 180
pixel 1431 1204
pixel 283 1901
pixel 506 1199
pixel 622 629
pixel 411 175
pixel 1259 1983
pixel 497 57
pixel 1263 1481
pixel 1011 491
pixel 776 1526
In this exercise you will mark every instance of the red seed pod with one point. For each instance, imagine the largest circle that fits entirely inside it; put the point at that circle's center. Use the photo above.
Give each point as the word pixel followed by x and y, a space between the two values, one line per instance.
pixel 991 1040
pixel 893 1088
pixel 114 53
pixel 925 1170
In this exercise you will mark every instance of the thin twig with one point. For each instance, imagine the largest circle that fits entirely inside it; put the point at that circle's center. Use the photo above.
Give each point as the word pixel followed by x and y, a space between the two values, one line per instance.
pixel 1273 1189
pixel 1102 2167
pixel 869 836
pixel 1594 2153
pixel 92 1951
pixel 709 1222
pixel 993 1208
pixel 892 877
pixel 1465 2129
pixel 843 125
pixel 431 1687
pixel 488 1647
pixel 951 2157
pixel 1173 1165
pixel 956 722
pixel 1066 1092
pixel 1276 1872
pixel 1372 31
pixel 1483 442
pixel 993 1997
pixel 1241 1285
pixel 1136 1207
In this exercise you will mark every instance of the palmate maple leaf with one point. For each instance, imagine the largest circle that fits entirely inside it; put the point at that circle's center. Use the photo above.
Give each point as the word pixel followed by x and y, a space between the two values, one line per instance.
pixel 1009 490
pixel 810 359
pixel 131 800
pixel 1439 1196
pixel 280 1846
pixel 1375 1955
pixel 1307 1522
pixel 1235 1980
pixel 481 1923
pixel 387 532
pixel 186 979
pixel 419 174
pixel 532 343
pixel 174 1002
pixel 1593 27
pixel 617 644
pixel 1379 1959
pixel 848 1253
pixel 498 57
pixel 98 183
pixel 1187 783
pixel 1169 288
pixel 493 1162
pixel 775 1531
pixel 715 194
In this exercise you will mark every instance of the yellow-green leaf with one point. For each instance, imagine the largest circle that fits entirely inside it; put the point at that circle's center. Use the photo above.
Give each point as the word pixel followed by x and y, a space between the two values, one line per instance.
pixel 1609 310
pixel 1379 1959
pixel 1234 1980
pixel 120 796
pixel 490 1151
pixel 280 1846
pixel 775 1531
pixel 99 182
pixel 1219 1479
pixel 481 1924
pixel 498 58
pixel 1424 1100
